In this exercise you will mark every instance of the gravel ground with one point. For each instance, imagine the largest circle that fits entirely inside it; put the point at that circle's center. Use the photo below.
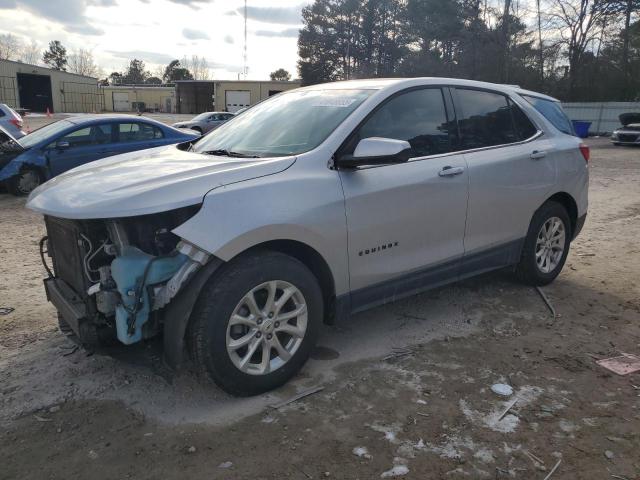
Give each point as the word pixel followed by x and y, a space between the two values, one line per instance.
pixel 429 414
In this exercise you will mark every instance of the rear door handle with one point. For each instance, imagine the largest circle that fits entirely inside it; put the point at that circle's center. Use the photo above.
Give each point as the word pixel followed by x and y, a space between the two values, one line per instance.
pixel 449 171
pixel 538 154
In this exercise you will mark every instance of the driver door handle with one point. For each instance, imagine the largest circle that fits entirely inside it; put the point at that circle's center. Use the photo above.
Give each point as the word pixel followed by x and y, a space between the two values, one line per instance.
pixel 538 154
pixel 449 171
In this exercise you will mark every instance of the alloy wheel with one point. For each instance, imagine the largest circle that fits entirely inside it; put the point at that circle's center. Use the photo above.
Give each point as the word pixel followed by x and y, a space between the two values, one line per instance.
pixel 266 327
pixel 550 244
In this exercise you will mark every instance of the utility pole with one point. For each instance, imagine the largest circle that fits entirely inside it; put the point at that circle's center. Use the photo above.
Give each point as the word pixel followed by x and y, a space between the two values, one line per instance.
pixel 244 55
pixel 541 60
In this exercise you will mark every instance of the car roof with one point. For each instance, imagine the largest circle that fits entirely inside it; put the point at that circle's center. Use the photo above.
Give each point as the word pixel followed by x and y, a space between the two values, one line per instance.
pixel 396 83
pixel 80 119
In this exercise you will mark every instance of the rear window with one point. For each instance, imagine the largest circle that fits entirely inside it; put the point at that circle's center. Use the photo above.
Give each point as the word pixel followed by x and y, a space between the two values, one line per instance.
pixel 138 132
pixel 553 112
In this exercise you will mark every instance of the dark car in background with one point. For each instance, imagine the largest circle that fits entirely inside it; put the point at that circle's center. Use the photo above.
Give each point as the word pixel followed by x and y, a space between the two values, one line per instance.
pixel 629 133
pixel 55 148
pixel 205 122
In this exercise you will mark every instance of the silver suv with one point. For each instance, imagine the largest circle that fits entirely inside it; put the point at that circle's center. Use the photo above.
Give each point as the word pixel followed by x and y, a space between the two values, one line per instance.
pixel 315 204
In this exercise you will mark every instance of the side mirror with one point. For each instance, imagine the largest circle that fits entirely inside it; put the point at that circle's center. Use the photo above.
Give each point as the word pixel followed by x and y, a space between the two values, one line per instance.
pixel 376 151
pixel 62 145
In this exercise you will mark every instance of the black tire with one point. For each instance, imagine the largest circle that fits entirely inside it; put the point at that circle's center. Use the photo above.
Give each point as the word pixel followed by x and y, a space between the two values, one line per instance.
pixel 207 335
pixel 527 269
pixel 16 184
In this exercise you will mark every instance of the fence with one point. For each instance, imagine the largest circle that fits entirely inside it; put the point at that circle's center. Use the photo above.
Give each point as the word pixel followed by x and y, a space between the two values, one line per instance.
pixel 602 115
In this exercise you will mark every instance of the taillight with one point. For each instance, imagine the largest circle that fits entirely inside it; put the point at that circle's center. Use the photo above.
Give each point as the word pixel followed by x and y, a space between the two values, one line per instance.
pixel 584 150
pixel 16 122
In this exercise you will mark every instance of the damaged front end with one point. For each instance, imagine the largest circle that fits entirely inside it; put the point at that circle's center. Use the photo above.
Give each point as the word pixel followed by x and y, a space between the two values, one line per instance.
pixel 114 278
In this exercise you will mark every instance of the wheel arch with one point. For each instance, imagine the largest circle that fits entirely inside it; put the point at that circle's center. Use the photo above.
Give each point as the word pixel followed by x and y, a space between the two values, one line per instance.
pixel 569 203
pixel 313 260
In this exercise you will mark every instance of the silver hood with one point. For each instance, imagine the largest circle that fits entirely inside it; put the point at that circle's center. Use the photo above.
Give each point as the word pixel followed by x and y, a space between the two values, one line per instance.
pixel 143 182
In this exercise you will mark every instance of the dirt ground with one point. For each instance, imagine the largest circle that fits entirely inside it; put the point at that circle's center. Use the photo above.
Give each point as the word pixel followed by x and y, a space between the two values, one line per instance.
pixel 425 411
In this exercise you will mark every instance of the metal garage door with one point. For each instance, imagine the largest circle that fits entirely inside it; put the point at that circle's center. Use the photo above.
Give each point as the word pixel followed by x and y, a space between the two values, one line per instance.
pixel 237 99
pixel 121 102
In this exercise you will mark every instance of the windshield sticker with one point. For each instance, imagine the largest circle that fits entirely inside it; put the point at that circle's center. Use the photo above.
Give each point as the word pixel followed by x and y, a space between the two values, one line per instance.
pixel 341 102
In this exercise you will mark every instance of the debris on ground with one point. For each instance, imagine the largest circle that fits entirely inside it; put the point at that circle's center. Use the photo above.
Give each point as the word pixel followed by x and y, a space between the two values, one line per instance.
pixel 399 469
pixel 502 389
pixel 295 398
pixel 555 467
pixel 6 310
pixel 226 465
pixel 361 452
pixel 546 300
pixel 191 449
pixel 622 365
pixel 506 410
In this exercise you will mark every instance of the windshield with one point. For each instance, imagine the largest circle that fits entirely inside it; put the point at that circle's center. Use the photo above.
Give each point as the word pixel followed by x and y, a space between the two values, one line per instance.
pixel 202 116
pixel 287 124
pixel 44 133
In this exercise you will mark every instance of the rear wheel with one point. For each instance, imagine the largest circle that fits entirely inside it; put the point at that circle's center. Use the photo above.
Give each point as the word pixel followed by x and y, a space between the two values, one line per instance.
pixel 546 246
pixel 256 322
pixel 25 182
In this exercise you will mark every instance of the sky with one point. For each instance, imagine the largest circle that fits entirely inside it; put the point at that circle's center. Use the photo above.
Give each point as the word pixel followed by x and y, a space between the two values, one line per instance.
pixel 158 31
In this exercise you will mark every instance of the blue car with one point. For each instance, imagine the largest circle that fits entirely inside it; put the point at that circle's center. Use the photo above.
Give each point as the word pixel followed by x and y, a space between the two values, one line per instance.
pixel 65 144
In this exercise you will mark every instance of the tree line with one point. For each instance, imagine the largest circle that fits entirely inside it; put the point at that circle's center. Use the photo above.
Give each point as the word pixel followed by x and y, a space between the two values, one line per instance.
pixel 572 49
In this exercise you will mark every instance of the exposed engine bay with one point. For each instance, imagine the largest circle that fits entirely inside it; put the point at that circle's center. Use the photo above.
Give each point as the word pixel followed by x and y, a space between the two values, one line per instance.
pixel 111 278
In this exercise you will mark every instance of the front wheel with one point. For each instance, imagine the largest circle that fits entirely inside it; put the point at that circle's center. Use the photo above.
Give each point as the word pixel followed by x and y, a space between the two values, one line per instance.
pixel 256 322
pixel 25 182
pixel 546 246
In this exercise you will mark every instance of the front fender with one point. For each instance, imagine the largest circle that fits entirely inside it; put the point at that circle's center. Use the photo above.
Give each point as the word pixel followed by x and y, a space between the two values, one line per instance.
pixel 17 164
pixel 297 204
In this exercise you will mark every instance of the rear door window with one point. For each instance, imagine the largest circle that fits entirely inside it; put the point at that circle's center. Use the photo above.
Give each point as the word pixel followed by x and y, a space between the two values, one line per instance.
pixel 418 117
pixel 93 135
pixel 485 119
pixel 553 112
pixel 138 132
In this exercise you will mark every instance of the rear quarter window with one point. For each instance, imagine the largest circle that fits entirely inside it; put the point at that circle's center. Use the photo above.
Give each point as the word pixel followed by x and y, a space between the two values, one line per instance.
pixel 553 112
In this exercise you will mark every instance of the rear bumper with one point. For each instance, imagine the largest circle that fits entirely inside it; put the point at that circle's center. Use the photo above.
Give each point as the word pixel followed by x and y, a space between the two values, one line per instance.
pixel 579 224
pixel 62 296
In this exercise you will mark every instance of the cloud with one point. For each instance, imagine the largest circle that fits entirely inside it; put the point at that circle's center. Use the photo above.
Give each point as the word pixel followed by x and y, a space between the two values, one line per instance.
pixel 71 16
pixel 229 39
pixel 283 15
pixel 287 33
pixel 151 57
pixel 193 34
pixel 191 3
